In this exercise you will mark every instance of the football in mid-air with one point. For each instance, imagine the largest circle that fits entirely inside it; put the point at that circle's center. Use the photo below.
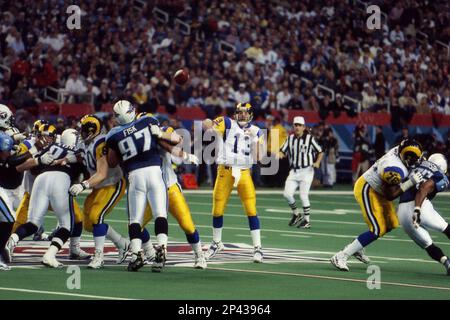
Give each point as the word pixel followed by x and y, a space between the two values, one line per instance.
pixel 181 77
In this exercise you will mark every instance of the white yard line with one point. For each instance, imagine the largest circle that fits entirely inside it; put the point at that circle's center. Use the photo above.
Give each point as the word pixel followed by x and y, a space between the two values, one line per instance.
pixel 56 293
pixel 312 276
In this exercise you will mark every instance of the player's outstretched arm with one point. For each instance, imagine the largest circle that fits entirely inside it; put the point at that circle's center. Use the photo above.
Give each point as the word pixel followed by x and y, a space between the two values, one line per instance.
pixel 171 137
pixel 425 189
pixel 94 180
pixel 207 124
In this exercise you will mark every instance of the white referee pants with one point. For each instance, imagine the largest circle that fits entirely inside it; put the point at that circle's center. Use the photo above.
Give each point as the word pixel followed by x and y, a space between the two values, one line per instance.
pixel 299 179
pixel 52 188
pixel 146 185
pixel 430 219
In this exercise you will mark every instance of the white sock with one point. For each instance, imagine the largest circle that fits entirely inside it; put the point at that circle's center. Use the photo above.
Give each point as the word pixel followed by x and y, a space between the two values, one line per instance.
pixel 52 251
pixel 161 238
pixel 136 245
pixel 74 242
pixel 217 234
pixel 352 248
pixel 443 259
pixel 147 245
pixel 99 243
pixel 256 237
pixel 15 238
pixel 114 236
pixel 197 247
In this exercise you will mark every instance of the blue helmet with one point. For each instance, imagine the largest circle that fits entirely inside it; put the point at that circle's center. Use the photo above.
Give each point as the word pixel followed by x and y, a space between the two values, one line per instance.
pixel 6 142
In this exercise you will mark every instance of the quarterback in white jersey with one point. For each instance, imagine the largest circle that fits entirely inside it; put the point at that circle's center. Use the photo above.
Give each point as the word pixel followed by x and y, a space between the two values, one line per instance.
pixel 374 192
pixel 239 141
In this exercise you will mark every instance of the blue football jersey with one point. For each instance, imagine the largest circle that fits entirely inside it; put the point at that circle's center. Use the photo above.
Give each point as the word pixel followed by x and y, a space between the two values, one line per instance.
pixel 429 170
pixel 135 144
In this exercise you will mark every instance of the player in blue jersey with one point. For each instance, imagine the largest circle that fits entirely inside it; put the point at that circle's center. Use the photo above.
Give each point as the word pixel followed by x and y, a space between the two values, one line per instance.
pixel 6 210
pixel 416 213
pixel 133 145
pixel 58 162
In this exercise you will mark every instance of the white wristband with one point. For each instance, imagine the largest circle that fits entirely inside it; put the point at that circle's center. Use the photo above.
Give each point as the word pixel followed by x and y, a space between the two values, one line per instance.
pixel 85 184
pixel 406 185
pixel 33 151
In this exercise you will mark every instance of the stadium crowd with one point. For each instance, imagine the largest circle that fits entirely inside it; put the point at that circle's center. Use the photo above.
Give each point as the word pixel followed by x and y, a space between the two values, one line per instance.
pixel 280 51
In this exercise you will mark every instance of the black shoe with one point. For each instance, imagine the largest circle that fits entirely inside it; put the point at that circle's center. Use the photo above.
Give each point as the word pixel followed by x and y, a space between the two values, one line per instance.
pixel 295 219
pixel 447 266
pixel 160 258
pixel 136 262
pixel 304 224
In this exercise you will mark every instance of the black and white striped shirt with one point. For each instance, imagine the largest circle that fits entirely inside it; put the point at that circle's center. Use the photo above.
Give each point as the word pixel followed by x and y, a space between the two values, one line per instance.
pixel 301 150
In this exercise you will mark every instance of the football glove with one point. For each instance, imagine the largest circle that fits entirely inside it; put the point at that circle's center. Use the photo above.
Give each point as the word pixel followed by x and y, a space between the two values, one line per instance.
pixel 46 159
pixel 416 217
pixel 76 189
pixel 156 131
pixel 417 178
pixel 190 158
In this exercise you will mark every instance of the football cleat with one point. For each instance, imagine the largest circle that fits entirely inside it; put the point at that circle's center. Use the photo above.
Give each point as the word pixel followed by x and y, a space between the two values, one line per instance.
pixel 257 255
pixel 339 260
pixel 295 219
pixel 123 252
pixel 160 258
pixel 76 253
pixel 214 248
pixel 50 261
pixel 3 265
pixel 149 255
pixel 200 261
pixel 447 266
pixel 361 256
pixel 9 249
pixel 97 262
pixel 304 224
pixel 136 262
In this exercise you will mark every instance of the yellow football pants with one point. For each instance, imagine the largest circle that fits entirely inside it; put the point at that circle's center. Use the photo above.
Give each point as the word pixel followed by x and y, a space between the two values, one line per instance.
pixel 378 212
pixel 22 211
pixel 223 187
pixel 100 202
pixel 178 208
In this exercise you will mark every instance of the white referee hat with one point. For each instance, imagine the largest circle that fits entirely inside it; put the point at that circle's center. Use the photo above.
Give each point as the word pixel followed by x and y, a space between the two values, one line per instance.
pixel 299 120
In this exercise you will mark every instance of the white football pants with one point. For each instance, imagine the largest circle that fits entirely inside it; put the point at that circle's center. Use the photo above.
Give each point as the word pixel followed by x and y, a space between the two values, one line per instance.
pixel 430 219
pixel 299 179
pixel 52 187
pixel 146 185
pixel 7 213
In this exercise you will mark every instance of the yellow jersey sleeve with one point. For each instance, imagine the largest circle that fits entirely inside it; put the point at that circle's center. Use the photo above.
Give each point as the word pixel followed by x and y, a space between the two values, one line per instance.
pixel 221 124
pixel 101 150
pixel 392 175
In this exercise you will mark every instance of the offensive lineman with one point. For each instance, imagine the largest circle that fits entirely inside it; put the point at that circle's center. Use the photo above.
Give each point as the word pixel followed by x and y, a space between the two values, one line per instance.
pixel 46 192
pixel 238 141
pixel 374 193
pixel 132 144
pixel 416 213
pixel 108 188
pixel 300 147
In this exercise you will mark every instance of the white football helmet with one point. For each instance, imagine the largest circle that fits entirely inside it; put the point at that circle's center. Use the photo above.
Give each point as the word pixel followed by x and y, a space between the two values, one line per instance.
pixel 70 138
pixel 6 117
pixel 439 160
pixel 124 112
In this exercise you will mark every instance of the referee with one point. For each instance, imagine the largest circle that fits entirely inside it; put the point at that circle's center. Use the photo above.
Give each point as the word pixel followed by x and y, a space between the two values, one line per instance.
pixel 304 155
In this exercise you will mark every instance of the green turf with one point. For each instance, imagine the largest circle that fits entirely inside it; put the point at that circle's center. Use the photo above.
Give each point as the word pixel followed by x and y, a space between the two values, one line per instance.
pixel 406 271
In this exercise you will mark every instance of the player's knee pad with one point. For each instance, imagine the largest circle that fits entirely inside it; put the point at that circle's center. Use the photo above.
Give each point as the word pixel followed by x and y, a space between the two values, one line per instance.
pixel 434 252
pixel 161 226
pixel 134 231
pixel 447 231
pixel 27 229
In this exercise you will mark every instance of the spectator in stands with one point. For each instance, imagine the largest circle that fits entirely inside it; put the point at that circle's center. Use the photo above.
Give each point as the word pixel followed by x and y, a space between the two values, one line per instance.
pixel 195 100
pixel 361 152
pixel 330 146
pixel 75 87
pixel 397 35
pixel 283 97
pixel 369 99
pixel 402 136
pixel 242 96
pixel 380 143
pixel 104 97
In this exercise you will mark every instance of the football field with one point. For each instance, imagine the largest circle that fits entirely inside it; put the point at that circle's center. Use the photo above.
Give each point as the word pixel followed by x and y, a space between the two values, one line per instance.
pixel 296 264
